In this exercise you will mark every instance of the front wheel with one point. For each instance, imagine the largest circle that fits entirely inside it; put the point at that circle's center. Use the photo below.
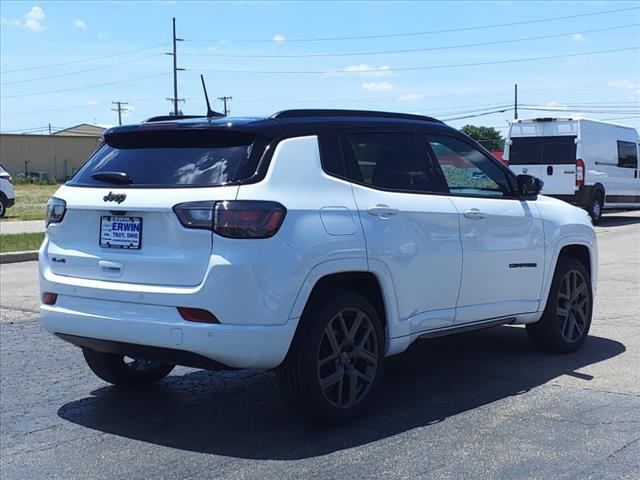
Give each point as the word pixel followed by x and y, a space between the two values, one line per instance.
pixel 335 362
pixel 124 371
pixel 565 323
pixel 3 207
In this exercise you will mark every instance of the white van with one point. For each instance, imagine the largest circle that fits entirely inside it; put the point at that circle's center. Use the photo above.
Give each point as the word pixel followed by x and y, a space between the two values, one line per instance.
pixel 588 163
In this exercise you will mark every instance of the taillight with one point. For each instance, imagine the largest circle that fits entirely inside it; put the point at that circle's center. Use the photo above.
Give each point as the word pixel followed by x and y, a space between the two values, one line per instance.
pixel 248 219
pixel 580 173
pixel 56 208
pixel 197 315
pixel 233 219
pixel 195 214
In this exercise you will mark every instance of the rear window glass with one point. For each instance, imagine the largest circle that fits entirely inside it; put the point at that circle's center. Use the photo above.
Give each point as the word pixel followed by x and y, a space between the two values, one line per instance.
pixel 167 159
pixel 556 150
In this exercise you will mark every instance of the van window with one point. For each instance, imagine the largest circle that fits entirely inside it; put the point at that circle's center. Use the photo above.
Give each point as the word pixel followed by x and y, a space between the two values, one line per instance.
pixel 389 161
pixel 627 154
pixel 556 150
pixel 468 171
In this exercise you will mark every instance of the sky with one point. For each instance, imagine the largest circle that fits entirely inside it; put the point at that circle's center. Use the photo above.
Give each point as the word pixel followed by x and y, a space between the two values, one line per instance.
pixel 63 63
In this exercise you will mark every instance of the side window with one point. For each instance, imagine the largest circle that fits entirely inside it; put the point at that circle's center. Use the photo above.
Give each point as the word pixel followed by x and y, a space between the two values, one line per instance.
pixel 467 170
pixel 627 155
pixel 389 161
pixel 331 155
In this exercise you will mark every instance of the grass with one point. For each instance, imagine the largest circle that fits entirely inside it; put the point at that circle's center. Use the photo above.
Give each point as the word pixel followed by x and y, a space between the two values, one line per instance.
pixel 30 202
pixel 19 242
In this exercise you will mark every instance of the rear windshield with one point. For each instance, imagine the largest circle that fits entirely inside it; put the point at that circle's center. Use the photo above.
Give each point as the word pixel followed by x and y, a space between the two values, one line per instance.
pixel 167 159
pixel 542 150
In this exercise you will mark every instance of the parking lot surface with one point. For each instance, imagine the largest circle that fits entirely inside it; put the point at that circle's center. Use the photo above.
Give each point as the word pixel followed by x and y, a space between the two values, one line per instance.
pixel 477 405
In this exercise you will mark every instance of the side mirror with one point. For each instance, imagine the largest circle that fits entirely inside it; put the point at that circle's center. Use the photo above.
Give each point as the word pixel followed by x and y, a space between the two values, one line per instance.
pixel 529 186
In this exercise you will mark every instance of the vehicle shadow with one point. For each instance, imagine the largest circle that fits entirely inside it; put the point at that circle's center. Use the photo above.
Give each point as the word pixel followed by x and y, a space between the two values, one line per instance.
pixel 612 220
pixel 242 414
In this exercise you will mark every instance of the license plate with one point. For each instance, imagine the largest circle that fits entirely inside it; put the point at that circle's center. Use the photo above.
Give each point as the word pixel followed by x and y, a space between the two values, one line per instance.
pixel 120 231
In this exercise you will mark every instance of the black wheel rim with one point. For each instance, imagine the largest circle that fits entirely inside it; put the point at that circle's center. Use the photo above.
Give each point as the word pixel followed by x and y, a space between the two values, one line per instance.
pixel 348 358
pixel 140 365
pixel 573 306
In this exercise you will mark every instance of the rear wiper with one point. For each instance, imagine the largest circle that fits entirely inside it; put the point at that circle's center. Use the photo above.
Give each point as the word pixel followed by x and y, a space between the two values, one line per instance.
pixel 120 178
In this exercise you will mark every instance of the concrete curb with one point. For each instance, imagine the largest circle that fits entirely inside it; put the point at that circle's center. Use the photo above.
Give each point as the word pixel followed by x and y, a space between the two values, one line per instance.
pixel 13 257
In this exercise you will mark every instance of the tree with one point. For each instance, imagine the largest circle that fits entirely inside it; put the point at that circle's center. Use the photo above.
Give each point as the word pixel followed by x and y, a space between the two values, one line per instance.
pixel 488 137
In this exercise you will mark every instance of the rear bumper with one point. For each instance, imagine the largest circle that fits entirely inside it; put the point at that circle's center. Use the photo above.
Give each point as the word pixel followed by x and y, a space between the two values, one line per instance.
pixel 125 327
pixel 581 198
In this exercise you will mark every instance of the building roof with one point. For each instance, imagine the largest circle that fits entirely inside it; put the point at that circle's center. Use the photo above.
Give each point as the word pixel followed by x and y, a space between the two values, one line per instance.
pixel 82 130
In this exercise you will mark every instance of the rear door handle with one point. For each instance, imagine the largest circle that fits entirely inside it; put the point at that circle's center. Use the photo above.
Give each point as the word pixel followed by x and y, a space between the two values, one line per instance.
pixel 111 268
pixel 382 211
pixel 475 213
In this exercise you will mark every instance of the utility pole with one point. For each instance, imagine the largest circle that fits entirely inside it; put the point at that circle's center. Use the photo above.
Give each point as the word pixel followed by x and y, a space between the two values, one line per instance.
pixel 180 100
pixel 175 98
pixel 119 109
pixel 49 129
pixel 224 99
pixel 515 102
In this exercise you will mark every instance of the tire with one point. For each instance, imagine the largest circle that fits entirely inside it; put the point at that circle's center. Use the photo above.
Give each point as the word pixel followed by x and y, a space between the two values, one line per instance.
pixel 595 206
pixel 566 320
pixel 114 369
pixel 329 347
pixel 3 206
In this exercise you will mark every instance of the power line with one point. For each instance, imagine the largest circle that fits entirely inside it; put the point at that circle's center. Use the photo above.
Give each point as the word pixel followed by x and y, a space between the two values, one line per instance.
pixel 81 71
pixel 478 114
pixel 411 50
pixel 427 67
pixel 87 86
pixel 580 110
pixel 430 32
pixel 83 60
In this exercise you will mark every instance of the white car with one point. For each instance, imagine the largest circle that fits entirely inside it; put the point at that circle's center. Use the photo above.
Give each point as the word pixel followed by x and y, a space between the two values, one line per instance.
pixel 591 164
pixel 7 197
pixel 314 242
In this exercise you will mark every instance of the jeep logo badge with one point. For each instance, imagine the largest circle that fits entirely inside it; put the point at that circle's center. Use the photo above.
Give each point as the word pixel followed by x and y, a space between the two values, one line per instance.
pixel 115 197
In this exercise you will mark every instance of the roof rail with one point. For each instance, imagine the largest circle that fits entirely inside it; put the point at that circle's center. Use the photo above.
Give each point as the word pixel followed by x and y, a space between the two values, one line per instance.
pixel 350 113
pixel 164 118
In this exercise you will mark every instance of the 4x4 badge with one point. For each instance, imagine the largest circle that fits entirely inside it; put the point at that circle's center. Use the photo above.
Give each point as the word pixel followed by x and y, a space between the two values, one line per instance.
pixel 115 197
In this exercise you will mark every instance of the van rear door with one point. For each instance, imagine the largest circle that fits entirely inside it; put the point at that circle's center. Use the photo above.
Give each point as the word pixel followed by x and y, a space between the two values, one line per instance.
pixel 550 158
pixel 558 169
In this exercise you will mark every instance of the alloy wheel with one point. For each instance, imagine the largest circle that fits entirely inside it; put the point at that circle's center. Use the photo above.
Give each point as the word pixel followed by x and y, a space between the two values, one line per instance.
pixel 573 306
pixel 348 358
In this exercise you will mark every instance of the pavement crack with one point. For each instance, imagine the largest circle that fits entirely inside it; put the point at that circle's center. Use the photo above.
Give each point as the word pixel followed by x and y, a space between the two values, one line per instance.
pixel 615 452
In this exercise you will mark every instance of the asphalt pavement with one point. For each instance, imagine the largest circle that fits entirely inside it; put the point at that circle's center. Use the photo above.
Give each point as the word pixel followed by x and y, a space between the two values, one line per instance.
pixel 476 405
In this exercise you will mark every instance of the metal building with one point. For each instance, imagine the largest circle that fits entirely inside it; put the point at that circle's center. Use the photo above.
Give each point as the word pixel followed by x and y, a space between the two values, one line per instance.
pixel 58 156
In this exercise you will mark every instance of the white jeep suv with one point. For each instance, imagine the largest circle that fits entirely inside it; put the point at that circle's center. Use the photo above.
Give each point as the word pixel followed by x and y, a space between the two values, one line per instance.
pixel 314 242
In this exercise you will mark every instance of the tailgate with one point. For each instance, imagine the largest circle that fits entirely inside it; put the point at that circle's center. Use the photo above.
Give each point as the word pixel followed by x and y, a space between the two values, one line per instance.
pixel 168 254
